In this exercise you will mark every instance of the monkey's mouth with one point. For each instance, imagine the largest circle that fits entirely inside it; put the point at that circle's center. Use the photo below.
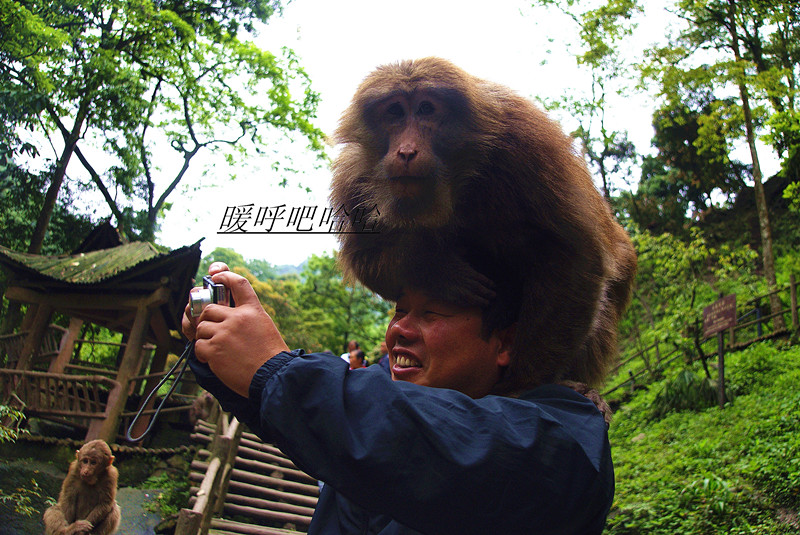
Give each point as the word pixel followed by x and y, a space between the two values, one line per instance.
pixel 408 186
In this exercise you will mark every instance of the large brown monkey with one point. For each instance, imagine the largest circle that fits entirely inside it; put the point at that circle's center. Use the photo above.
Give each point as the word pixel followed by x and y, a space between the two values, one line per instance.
pixel 87 502
pixel 483 200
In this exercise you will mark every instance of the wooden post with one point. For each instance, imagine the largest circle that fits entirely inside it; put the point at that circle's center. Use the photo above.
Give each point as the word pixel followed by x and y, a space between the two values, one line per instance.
pixel 721 365
pixel 144 419
pixel 96 425
pixel 30 349
pixel 58 364
pixel 127 370
pixel 235 432
pixel 188 522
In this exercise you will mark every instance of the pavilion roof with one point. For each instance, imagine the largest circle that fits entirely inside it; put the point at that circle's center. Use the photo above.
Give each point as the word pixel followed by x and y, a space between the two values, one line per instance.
pixel 94 267
pixel 129 269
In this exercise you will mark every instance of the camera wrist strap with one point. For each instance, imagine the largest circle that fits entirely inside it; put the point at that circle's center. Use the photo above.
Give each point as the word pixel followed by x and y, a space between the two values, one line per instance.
pixel 183 359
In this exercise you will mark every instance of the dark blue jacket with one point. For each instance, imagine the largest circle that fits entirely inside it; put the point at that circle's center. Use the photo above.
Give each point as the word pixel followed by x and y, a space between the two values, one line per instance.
pixel 399 458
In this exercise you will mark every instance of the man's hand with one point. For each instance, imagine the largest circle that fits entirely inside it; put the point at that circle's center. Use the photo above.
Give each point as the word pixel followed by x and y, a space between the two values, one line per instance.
pixel 235 342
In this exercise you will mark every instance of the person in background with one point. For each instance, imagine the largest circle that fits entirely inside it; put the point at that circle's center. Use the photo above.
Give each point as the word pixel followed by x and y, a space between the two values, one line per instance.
pixel 357 359
pixel 351 345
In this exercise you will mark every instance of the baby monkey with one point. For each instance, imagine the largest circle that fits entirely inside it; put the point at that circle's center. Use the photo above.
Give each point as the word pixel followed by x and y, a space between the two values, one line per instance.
pixel 87 501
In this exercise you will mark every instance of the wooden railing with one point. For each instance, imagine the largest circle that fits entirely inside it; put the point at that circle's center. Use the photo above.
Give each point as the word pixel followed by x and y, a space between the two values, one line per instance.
pixel 11 345
pixel 647 363
pixel 248 479
pixel 81 399
pixel 213 488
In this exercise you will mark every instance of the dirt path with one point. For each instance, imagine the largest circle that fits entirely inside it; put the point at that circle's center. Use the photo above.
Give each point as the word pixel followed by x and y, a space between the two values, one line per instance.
pixel 136 520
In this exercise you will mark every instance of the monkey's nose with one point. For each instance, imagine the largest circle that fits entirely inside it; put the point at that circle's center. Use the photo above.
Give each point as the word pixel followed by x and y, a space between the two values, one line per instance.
pixel 407 153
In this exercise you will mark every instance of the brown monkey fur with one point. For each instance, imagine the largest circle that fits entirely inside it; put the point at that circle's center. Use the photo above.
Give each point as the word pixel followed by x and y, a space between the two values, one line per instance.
pixel 87 502
pixel 482 200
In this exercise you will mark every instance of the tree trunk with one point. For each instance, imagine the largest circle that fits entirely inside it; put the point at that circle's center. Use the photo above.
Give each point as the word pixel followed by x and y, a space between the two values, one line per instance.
pixel 70 141
pixel 758 187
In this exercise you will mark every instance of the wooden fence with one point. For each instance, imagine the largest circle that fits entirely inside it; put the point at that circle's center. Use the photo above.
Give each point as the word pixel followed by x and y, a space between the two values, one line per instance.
pixel 214 487
pixel 11 346
pixel 751 326
pixel 83 400
pixel 247 479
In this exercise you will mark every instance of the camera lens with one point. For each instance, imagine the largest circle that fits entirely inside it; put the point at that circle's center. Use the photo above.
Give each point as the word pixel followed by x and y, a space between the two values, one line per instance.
pixel 199 299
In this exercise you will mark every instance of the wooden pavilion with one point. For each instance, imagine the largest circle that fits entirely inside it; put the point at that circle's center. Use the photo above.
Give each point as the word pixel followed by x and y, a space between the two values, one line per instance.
pixel 137 289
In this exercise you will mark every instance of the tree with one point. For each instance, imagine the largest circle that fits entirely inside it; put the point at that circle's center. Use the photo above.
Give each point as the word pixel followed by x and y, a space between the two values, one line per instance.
pixel 356 312
pixel 673 286
pixel 602 31
pixel 119 81
pixel 683 176
pixel 259 269
pixel 746 47
pixel 301 325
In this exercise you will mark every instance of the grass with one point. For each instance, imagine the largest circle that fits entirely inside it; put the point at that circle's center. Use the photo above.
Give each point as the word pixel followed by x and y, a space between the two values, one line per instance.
pixel 713 471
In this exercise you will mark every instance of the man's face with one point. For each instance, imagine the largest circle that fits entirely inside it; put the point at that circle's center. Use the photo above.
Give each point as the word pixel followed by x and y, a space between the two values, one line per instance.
pixel 433 343
pixel 355 362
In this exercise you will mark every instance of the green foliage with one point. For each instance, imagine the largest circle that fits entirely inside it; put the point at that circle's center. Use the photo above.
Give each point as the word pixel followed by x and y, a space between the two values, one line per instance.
pixel 792 194
pixel 116 84
pixel 353 311
pixel 713 471
pixel 676 279
pixel 10 419
pixel 21 196
pixel 260 269
pixel 712 493
pixel 22 498
pixel 602 29
pixel 698 68
pixel 174 495
pixel 104 352
pixel 692 163
pixel 686 391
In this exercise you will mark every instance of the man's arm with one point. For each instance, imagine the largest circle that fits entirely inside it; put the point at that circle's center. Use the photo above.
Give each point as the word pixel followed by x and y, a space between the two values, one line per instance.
pixel 435 458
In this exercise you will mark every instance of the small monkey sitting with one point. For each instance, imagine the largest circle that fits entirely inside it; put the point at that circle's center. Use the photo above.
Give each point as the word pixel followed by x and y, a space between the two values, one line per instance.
pixel 87 501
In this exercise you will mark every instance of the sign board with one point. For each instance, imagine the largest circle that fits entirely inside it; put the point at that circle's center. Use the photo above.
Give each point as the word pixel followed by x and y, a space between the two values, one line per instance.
pixel 720 315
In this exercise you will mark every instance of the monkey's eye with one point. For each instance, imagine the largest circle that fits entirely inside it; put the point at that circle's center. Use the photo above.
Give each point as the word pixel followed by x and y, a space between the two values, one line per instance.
pixel 395 111
pixel 426 108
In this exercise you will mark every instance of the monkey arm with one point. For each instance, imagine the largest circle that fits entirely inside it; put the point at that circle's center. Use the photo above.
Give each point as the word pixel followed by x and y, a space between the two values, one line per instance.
pixel 67 499
pixel 107 490
pixel 100 512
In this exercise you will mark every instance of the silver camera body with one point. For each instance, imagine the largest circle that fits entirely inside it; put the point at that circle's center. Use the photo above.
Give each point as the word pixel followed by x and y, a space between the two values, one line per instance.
pixel 208 294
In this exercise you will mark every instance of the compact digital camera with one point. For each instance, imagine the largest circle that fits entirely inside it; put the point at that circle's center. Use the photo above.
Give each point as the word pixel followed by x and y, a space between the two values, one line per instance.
pixel 209 293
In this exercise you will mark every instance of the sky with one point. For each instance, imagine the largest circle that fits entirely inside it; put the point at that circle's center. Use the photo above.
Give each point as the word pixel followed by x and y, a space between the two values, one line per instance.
pixel 340 42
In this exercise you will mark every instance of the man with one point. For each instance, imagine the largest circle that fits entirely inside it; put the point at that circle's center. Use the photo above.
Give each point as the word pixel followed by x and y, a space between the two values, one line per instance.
pixel 356 359
pixel 429 449
pixel 352 345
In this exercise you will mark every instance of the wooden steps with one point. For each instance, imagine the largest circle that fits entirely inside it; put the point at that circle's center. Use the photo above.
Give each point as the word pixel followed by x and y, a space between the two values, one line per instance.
pixel 267 493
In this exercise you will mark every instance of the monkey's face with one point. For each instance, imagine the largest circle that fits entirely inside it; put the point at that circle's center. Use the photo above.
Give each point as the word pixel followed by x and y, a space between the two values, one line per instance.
pixel 411 178
pixel 91 465
pixel 93 459
pixel 405 149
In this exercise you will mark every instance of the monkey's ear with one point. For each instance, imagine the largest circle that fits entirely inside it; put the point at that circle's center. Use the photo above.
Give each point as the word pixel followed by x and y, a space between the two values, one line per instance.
pixel 110 460
pixel 77 454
